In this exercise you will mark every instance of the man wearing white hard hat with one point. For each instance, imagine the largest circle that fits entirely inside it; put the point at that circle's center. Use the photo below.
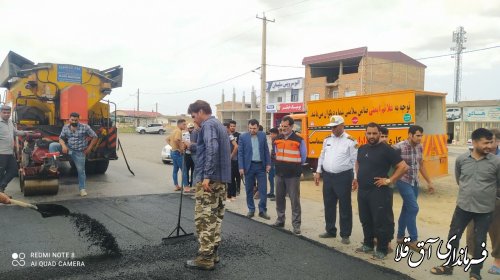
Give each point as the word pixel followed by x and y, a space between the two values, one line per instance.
pixel 336 163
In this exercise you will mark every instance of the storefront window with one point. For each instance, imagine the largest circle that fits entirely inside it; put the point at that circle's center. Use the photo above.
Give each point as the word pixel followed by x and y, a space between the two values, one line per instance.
pixel 295 95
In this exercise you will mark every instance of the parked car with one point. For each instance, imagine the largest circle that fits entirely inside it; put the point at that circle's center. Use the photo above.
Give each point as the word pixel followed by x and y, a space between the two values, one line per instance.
pixel 151 128
pixel 453 114
pixel 469 144
pixel 165 154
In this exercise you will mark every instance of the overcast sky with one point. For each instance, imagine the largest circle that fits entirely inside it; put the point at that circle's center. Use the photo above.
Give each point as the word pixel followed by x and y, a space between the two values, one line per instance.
pixel 167 47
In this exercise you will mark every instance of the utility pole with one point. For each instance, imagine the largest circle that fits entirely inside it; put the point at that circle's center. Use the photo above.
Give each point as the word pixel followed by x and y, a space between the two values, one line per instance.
pixel 156 116
pixel 137 119
pixel 263 120
pixel 459 39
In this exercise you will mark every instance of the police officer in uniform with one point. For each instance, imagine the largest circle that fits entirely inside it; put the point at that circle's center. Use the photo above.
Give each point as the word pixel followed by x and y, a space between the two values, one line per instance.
pixel 336 163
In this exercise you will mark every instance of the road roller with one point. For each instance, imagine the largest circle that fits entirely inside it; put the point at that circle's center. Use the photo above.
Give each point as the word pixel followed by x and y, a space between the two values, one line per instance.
pixel 42 97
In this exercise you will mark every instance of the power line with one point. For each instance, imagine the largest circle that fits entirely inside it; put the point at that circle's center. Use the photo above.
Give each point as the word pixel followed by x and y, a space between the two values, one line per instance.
pixel 202 87
pixel 380 63
pixel 290 66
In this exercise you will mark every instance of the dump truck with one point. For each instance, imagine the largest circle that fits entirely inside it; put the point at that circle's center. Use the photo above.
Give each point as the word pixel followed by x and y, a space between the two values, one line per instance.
pixel 395 110
pixel 42 97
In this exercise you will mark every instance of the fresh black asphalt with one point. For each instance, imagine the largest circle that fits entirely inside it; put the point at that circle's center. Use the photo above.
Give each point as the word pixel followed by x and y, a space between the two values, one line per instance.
pixel 250 250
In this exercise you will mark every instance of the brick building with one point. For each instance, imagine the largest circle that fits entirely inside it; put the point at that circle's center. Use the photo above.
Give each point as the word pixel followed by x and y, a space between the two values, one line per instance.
pixel 358 72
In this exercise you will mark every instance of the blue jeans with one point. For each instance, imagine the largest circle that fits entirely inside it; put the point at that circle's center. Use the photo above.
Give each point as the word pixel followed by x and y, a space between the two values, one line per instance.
pixel 177 159
pixel 408 216
pixel 78 159
pixel 256 171
pixel 272 173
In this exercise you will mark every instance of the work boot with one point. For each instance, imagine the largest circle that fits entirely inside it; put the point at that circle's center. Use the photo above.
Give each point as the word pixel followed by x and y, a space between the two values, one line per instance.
pixel 216 254
pixel 201 262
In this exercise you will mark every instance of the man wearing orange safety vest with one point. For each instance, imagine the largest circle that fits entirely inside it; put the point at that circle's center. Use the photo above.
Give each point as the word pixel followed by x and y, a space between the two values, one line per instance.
pixel 290 150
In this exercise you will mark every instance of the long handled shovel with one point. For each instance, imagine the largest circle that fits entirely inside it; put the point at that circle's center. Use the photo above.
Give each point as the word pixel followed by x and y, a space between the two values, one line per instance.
pixel 47 210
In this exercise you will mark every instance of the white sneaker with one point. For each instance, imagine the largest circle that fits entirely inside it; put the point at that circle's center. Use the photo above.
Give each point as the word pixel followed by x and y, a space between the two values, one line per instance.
pixel 83 192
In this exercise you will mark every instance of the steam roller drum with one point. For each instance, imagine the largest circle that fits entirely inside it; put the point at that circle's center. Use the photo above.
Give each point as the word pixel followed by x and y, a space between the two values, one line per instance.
pixel 41 187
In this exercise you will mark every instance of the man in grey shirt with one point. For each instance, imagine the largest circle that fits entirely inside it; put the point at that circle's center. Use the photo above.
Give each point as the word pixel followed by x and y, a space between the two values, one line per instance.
pixel 8 164
pixel 478 176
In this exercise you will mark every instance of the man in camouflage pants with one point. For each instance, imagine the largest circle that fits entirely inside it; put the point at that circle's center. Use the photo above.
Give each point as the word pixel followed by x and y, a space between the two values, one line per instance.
pixel 213 169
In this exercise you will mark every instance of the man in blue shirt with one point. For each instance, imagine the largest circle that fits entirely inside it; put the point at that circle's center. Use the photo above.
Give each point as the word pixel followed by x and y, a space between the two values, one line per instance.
pixel 254 161
pixel 73 141
pixel 213 172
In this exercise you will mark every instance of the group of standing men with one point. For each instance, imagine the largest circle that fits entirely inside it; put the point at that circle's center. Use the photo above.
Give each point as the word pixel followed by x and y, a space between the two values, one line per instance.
pixel 375 168
pixel 183 152
pixel 213 174
pixel 372 170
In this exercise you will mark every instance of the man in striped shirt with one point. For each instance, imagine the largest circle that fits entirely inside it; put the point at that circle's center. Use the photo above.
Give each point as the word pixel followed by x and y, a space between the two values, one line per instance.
pixel 411 152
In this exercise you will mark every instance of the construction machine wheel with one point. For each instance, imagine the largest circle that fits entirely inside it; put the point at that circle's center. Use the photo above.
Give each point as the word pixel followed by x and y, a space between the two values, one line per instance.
pixel 101 166
pixel 41 187
pixel 89 167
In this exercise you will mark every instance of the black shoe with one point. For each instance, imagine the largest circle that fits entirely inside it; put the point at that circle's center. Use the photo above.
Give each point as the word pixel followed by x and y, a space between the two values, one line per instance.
pixel 271 195
pixel 250 214
pixel 327 235
pixel 296 231
pixel 264 215
pixel 279 225
pixel 273 198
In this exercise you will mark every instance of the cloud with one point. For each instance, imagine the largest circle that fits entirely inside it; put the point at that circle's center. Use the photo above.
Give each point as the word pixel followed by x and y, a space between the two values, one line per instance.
pixel 169 46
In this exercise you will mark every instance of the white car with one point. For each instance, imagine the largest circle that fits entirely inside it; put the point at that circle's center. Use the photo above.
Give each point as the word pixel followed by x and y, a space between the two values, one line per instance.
pixel 453 114
pixel 151 128
pixel 165 154
pixel 469 145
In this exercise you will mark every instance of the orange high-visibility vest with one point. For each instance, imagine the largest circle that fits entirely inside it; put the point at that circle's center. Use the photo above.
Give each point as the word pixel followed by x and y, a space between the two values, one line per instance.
pixel 288 150
pixel 288 161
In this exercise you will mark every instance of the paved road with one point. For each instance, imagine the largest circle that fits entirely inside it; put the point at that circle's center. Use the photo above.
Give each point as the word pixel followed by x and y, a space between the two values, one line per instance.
pixel 140 210
pixel 251 250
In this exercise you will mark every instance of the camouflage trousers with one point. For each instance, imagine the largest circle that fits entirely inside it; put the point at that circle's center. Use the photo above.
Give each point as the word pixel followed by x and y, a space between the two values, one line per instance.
pixel 208 215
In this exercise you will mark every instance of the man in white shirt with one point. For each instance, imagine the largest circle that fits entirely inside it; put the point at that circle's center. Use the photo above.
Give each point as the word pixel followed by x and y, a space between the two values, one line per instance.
pixel 336 163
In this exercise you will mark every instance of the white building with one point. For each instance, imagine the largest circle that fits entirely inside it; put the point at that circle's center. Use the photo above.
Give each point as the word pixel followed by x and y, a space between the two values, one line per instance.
pixel 284 97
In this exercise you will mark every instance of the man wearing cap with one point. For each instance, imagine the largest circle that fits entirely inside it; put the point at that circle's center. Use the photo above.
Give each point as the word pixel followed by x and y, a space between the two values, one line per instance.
pixel 336 163
pixel 8 164
pixel 188 155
